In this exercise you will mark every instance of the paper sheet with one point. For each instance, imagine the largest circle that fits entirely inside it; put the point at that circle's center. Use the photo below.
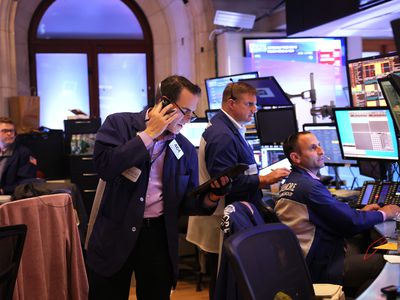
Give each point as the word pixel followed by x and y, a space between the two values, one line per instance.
pixel 394 259
pixel 387 246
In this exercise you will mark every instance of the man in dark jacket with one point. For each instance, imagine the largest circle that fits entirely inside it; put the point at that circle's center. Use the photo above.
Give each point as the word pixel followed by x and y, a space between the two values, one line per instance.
pixel 149 169
pixel 319 220
pixel 16 161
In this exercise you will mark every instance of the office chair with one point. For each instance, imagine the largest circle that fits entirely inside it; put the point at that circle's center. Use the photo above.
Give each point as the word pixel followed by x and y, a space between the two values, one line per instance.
pixel 268 262
pixel 12 239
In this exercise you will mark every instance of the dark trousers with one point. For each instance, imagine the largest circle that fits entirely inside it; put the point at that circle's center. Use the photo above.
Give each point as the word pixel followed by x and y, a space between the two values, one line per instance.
pixel 358 272
pixel 149 260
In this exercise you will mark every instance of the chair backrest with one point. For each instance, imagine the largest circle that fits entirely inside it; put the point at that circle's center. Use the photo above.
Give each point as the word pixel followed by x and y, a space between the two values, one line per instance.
pixel 268 263
pixel 12 239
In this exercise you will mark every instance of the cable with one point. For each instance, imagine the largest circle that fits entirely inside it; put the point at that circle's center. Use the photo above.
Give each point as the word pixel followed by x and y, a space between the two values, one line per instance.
pixel 366 255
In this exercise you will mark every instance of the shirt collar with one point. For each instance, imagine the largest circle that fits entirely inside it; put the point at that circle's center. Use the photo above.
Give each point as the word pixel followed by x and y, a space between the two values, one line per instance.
pixel 7 151
pixel 310 173
pixel 240 128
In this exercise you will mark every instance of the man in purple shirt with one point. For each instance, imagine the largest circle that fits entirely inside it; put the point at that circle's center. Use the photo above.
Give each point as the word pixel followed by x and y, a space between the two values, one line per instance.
pixel 149 169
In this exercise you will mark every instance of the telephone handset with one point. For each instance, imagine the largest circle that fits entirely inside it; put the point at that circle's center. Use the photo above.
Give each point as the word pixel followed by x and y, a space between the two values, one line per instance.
pixel 165 101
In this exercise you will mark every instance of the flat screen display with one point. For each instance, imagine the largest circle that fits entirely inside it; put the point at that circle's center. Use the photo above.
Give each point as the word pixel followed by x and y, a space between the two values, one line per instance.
pixel 215 87
pixel 327 136
pixel 366 133
pixel 210 113
pixel 270 155
pixel 194 130
pixel 390 87
pixel 292 60
pixel 275 125
pixel 363 78
pixel 269 92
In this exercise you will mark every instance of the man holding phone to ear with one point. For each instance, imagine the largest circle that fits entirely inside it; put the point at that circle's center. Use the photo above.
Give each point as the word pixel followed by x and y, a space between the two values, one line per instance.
pixel 149 169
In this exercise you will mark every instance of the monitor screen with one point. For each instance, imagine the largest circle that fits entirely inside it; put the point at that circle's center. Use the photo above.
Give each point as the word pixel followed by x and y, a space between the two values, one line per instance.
pixel 363 75
pixel 390 87
pixel 327 136
pixel 210 113
pixel 291 60
pixel 215 87
pixel 193 131
pixel 366 133
pixel 275 125
pixel 270 155
pixel 369 188
pixel 269 92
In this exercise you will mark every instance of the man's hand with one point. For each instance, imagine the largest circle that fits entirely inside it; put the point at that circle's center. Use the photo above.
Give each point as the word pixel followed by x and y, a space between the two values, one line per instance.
pixel 371 207
pixel 273 177
pixel 219 188
pixel 159 119
pixel 391 211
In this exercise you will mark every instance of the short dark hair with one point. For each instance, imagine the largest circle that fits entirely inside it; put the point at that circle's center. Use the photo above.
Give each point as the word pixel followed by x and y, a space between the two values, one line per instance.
pixel 291 143
pixel 172 86
pixel 6 120
pixel 235 89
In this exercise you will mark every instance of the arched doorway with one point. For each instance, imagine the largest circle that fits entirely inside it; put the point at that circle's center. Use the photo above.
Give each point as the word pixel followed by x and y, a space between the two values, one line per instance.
pixel 95 55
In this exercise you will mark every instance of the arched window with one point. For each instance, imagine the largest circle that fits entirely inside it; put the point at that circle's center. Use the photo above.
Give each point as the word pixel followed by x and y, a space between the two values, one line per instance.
pixel 93 55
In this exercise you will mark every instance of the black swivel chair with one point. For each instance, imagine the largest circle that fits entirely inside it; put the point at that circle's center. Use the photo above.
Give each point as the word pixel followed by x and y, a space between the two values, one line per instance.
pixel 267 261
pixel 12 239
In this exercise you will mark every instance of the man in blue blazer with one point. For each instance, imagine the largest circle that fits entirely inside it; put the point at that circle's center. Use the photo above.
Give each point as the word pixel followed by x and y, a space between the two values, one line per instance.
pixel 17 162
pixel 149 168
pixel 321 222
pixel 223 145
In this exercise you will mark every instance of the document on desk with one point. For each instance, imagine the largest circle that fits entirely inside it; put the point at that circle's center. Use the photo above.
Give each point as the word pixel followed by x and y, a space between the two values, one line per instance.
pixel 284 163
pixel 393 259
pixel 387 246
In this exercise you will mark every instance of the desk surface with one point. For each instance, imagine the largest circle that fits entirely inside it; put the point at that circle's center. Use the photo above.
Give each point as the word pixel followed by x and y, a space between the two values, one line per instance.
pixel 390 273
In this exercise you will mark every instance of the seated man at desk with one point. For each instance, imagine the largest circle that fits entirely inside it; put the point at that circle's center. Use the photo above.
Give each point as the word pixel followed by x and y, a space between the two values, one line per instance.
pixel 320 222
pixel 16 161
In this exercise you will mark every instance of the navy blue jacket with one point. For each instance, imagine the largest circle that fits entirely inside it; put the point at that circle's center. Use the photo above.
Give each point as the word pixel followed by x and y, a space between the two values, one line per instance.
pixel 321 223
pixel 224 148
pixel 120 215
pixel 19 166
pixel 237 216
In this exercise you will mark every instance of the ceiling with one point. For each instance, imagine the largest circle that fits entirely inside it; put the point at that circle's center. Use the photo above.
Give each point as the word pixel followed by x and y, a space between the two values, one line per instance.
pixel 259 8
pixel 371 23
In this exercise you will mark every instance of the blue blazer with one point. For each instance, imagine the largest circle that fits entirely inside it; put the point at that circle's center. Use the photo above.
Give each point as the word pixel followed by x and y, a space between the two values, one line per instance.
pixel 120 215
pixel 224 148
pixel 18 168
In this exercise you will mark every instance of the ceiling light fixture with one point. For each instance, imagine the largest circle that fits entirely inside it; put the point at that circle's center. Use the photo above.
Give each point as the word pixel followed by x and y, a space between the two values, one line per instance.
pixel 233 19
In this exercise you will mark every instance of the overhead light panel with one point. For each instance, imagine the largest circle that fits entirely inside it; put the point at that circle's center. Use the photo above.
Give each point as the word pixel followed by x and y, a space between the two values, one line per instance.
pixel 234 19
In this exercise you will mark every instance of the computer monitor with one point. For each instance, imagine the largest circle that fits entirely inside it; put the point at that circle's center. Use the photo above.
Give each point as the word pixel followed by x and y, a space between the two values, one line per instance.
pixel 269 92
pixel 270 155
pixel 327 136
pixel 363 75
pixel 291 60
pixel 210 113
pixel 215 87
pixel 366 133
pixel 390 87
pixel 275 125
pixel 194 130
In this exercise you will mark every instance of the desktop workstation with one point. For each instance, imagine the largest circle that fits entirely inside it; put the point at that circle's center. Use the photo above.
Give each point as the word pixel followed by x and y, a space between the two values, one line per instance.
pixel 367 134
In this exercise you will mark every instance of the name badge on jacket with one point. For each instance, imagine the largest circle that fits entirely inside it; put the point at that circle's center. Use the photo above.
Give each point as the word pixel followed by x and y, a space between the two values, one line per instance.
pixel 176 149
pixel 252 170
pixel 132 174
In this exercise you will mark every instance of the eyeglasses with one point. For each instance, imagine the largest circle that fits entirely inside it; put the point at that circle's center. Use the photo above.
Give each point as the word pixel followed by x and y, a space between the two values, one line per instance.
pixel 7 131
pixel 188 114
